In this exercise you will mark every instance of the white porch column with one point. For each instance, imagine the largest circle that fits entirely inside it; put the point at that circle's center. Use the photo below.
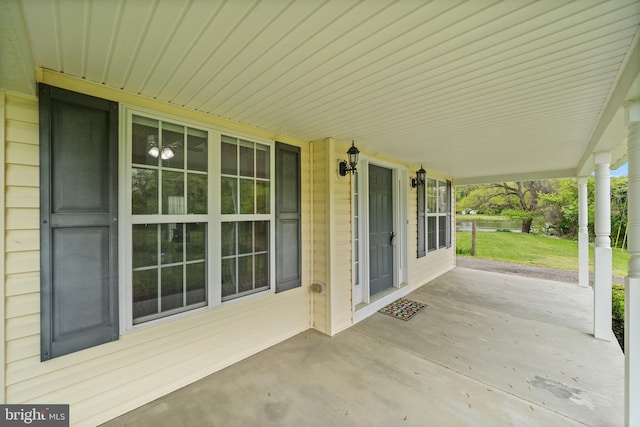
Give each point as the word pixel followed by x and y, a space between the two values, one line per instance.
pixel 603 267
pixel 583 233
pixel 632 286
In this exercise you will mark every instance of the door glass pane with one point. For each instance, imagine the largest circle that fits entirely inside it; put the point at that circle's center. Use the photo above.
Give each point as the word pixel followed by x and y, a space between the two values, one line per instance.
pixel 246 158
pixel 173 193
pixel 196 241
pixel 145 245
pixel 196 290
pixel 228 239
pixel 197 194
pixel 245 273
pixel 229 280
pixel 171 288
pixel 144 141
pixel 228 195
pixel 229 156
pixel 172 152
pixel 145 292
pixel 172 243
pixel 144 191
pixel 197 150
pixel 246 196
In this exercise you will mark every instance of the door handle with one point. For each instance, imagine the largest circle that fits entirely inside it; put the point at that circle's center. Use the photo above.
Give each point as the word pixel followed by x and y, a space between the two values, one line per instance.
pixel 392 238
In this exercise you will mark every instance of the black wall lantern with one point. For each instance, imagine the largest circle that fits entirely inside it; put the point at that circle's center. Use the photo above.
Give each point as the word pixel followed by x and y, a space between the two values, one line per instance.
pixel 345 167
pixel 420 178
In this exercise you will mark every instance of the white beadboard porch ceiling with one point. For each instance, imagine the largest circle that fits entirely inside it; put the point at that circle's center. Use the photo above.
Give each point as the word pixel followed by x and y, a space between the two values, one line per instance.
pixel 472 89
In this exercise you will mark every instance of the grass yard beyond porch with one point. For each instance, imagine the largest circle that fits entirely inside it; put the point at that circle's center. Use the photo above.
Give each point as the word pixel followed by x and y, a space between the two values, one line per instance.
pixel 531 249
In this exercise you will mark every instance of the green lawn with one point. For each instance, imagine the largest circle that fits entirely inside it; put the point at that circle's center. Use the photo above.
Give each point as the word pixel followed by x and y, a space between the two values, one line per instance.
pixel 535 250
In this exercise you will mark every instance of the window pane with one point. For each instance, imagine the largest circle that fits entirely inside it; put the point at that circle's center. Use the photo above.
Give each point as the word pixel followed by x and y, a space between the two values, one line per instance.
pixel 245 237
pixel 262 161
pixel 262 197
pixel 228 239
pixel 172 243
pixel 228 195
pixel 196 280
pixel 197 150
pixel 261 236
pixel 144 141
pixel 144 191
pixel 229 156
pixel 442 231
pixel 432 202
pixel 197 194
pixel 145 293
pixel 196 240
pixel 172 152
pixel 262 270
pixel 431 233
pixel 442 197
pixel 145 245
pixel 246 158
pixel 173 193
pixel 245 273
pixel 246 196
pixel 171 288
pixel 229 280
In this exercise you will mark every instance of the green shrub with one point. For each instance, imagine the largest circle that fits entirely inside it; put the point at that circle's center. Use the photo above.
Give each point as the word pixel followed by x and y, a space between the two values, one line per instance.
pixel 617 302
pixel 463 250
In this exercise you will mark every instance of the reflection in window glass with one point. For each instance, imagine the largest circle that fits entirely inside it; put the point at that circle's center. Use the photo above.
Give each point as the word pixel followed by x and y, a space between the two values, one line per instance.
pixel 196 194
pixel 197 151
pixel 431 233
pixel 169 259
pixel 169 176
pixel 145 141
pixel 246 159
pixel 144 191
pixel 432 200
pixel 245 257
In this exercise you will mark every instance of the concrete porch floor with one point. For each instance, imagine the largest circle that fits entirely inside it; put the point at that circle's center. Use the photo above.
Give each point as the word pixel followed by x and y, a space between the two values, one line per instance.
pixel 489 350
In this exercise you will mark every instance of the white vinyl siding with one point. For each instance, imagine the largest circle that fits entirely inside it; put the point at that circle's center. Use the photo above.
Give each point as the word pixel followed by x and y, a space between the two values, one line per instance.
pixel 103 382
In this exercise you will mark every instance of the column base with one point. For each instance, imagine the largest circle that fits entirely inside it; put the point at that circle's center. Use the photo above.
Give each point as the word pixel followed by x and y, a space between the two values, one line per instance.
pixel 603 269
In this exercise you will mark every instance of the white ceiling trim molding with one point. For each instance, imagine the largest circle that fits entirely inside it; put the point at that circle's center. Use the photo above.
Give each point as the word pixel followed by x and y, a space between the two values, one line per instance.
pixel 513 177
pixel 16 62
pixel 628 74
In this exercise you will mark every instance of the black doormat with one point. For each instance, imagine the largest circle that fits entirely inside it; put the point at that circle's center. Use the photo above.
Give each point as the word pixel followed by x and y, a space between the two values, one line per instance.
pixel 403 308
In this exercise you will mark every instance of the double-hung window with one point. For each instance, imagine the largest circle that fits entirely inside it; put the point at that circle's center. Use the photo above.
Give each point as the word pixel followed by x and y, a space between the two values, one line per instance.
pixel 169 183
pixel 200 217
pixel 438 201
pixel 245 206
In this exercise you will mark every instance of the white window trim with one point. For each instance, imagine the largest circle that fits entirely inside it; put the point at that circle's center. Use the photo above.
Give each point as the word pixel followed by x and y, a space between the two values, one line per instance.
pixel 437 215
pixel 213 217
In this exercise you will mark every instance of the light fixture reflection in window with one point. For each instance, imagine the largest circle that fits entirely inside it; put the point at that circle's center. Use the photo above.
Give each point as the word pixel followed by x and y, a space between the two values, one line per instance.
pixel 153 150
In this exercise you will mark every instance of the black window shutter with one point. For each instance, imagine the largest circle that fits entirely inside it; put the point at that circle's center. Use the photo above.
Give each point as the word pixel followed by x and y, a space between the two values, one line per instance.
pixel 78 228
pixel 288 218
pixel 422 249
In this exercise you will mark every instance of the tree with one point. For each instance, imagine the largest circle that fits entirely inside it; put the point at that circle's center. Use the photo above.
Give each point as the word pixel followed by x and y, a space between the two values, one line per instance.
pixel 526 195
